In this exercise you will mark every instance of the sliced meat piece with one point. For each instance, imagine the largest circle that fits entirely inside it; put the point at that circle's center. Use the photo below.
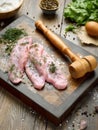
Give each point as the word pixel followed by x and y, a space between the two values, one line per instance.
pixel 18 59
pixel 37 79
pixel 54 73
pixel 36 56
pixel 47 67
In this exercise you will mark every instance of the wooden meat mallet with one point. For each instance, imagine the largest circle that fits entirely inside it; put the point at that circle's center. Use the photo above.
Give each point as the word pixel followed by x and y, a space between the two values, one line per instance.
pixel 79 66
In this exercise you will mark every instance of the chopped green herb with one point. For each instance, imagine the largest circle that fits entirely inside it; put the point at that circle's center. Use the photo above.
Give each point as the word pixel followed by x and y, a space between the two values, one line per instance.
pixel 52 68
pixel 35 45
pixel 10 37
pixel 12 68
pixel 9 48
pixel 35 61
pixel 45 59
pixel 13 34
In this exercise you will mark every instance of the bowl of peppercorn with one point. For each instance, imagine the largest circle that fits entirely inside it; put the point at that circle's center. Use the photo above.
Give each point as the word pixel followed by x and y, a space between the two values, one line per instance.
pixel 49 6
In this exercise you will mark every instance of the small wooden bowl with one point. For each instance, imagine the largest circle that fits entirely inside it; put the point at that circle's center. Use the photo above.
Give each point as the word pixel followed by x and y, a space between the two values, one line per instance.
pixel 12 12
pixel 47 10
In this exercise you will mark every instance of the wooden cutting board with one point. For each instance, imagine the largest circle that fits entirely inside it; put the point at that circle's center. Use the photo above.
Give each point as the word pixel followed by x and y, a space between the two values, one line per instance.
pixel 51 103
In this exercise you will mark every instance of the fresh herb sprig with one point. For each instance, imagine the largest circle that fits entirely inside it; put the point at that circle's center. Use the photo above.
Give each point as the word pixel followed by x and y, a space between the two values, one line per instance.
pixel 70 27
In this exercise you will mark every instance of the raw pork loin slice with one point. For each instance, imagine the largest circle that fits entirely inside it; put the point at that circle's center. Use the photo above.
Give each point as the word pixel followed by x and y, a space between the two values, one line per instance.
pixel 37 79
pixel 18 59
pixel 47 67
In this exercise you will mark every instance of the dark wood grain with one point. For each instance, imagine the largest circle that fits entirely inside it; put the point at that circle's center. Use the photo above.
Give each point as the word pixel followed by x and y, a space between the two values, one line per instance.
pixel 14 115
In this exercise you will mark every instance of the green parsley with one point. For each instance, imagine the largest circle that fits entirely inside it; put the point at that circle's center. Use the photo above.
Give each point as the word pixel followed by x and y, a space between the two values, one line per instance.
pixel 81 11
pixel 70 28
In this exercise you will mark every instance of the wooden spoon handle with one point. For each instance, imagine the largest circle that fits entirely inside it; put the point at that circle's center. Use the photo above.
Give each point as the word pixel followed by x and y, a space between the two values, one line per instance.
pixel 56 41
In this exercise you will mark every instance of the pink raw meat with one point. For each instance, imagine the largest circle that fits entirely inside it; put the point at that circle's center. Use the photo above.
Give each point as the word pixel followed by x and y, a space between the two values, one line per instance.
pixel 37 79
pixel 18 59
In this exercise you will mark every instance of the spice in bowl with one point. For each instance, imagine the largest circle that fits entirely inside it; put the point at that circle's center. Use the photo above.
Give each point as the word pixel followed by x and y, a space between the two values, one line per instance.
pixel 49 6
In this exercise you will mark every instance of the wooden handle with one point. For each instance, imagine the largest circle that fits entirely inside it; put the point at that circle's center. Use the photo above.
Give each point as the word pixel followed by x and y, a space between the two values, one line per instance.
pixel 56 41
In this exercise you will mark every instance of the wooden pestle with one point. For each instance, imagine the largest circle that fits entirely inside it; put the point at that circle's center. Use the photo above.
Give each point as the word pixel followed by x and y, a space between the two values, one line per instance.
pixel 79 66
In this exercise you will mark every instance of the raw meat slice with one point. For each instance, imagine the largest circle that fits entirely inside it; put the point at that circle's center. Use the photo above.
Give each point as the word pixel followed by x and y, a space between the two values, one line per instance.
pixel 54 74
pixel 36 56
pixel 18 59
pixel 34 76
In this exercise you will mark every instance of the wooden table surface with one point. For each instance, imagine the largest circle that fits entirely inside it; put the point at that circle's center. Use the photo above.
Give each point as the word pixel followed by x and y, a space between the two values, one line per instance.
pixel 15 115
